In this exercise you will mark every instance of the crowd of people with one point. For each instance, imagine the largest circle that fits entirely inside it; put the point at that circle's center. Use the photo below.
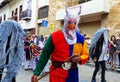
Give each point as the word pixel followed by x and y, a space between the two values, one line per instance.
pixel 33 46
pixel 114 51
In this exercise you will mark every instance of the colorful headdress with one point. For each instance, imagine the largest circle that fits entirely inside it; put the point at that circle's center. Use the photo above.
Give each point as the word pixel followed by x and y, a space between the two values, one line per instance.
pixel 73 16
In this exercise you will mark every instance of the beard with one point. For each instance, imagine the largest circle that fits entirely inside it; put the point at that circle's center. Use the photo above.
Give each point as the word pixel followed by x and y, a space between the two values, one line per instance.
pixel 70 34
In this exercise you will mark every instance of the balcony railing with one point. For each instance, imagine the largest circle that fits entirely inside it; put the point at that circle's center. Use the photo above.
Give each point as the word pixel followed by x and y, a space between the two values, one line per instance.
pixel 26 15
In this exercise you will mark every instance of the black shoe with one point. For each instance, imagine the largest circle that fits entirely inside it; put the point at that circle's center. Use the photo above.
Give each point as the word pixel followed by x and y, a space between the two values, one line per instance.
pixel 93 80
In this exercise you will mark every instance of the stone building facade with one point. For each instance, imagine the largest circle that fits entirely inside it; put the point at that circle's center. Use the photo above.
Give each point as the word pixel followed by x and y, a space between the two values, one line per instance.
pixel 89 23
pixel 53 25
pixel 86 26
pixel 113 21
pixel 109 20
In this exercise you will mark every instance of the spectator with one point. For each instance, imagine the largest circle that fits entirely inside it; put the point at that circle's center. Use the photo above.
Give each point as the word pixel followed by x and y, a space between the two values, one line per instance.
pixel 113 52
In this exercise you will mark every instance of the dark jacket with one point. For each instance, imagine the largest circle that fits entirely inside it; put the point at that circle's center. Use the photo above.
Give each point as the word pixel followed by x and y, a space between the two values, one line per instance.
pixel 118 44
pixel 98 50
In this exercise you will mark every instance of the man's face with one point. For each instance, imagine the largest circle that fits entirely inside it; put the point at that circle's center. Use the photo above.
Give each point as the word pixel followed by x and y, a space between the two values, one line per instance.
pixel 71 25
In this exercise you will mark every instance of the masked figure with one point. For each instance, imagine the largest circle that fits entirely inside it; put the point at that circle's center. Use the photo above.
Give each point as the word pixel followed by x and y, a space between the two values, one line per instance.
pixel 11 49
pixel 98 52
pixel 60 46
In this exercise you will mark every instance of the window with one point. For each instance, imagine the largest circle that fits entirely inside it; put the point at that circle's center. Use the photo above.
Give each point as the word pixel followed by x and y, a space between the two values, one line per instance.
pixel 26 14
pixel 20 12
pixel 29 4
pixel 12 13
pixel 4 17
pixel 43 12
pixel 16 12
pixel 83 1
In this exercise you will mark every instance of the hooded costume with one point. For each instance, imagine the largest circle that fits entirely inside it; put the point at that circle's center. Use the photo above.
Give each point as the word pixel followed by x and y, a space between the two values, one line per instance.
pixel 11 48
pixel 94 41
pixel 61 45
pixel 98 52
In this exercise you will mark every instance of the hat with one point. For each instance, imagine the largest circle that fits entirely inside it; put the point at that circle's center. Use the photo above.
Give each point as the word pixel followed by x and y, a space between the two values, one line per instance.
pixel 87 37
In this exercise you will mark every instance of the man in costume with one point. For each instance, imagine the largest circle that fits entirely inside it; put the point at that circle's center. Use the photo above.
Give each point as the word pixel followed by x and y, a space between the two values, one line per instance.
pixel 61 45
pixel 98 52
pixel 11 49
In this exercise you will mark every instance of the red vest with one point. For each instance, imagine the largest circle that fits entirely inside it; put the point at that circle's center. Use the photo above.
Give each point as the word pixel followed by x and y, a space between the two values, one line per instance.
pixel 60 52
pixel 61 48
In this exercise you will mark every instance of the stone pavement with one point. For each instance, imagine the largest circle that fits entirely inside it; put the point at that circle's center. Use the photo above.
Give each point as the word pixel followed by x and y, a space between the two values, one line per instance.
pixel 85 73
pixel 25 76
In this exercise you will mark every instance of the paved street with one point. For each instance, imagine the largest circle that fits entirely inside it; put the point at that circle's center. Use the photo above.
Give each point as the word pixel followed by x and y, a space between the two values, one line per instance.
pixel 85 74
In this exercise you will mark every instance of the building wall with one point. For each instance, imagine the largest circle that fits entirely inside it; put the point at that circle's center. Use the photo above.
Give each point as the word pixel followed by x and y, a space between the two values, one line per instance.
pixel 89 28
pixel 54 5
pixel 4 10
pixel 85 27
pixel 7 9
pixel 110 20
pixel 16 4
pixel 113 21
pixel 32 23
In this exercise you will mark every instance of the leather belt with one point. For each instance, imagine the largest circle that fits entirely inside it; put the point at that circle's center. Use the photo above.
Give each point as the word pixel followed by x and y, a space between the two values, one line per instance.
pixel 57 63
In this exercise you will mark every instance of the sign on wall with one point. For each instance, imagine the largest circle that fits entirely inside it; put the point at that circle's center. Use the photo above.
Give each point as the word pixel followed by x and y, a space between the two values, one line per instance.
pixel 51 26
pixel 44 23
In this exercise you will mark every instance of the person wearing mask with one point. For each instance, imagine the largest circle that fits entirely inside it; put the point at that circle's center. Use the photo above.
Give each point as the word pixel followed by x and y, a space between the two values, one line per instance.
pixel 65 52
pixel 98 52
pixel 11 50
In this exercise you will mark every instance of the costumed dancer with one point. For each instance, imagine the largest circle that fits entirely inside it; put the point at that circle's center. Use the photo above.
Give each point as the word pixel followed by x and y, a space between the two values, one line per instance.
pixel 69 43
pixel 98 52
pixel 11 49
